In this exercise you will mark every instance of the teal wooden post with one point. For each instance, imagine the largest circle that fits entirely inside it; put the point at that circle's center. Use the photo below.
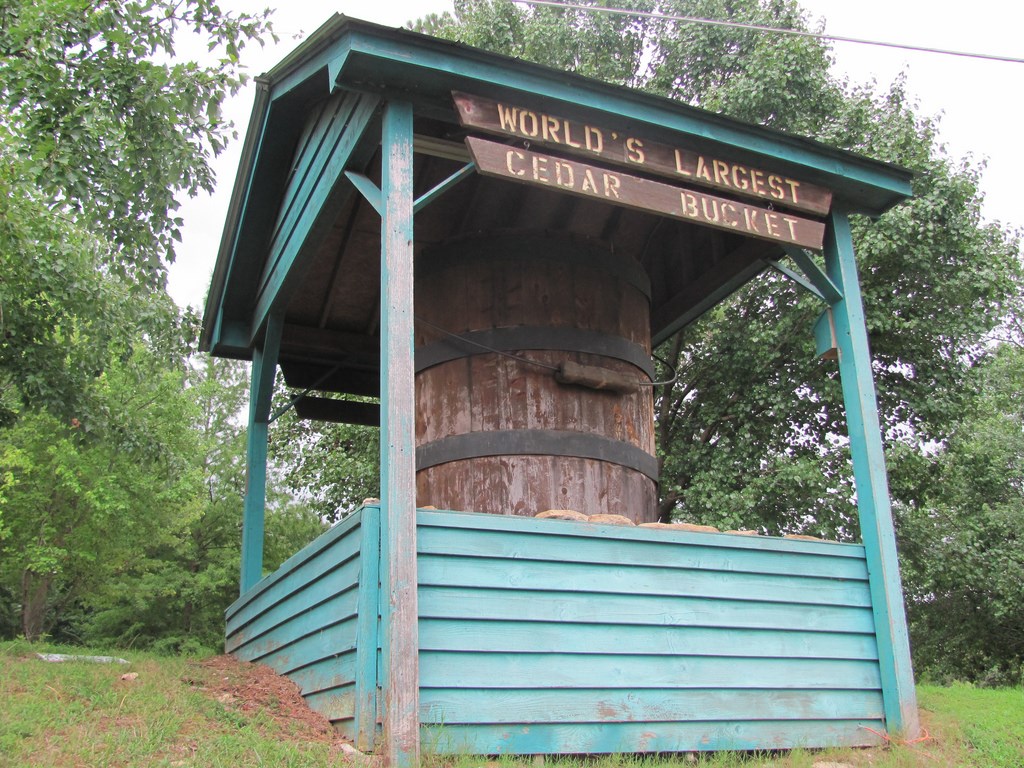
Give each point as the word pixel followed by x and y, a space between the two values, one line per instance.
pixel 873 505
pixel 400 635
pixel 264 367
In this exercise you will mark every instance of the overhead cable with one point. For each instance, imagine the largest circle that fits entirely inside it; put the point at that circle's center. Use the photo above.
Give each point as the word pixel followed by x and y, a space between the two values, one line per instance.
pixel 777 30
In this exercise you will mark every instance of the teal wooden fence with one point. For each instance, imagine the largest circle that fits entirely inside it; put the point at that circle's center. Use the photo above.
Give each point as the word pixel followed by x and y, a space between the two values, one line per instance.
pixel 546 636
pixel 315 621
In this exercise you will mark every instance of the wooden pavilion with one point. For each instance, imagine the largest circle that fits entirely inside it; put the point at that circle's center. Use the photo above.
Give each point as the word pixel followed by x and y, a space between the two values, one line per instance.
pixel 563 228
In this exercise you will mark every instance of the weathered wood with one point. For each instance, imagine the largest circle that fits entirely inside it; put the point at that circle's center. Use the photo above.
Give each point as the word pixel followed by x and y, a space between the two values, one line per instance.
pixel 617 738
pixel 279 626
pixel 493 572
pixel 364 724
pixel 550 637
pixel 497 432
pixel 400 674
pixel 624 148
pixel 559 541
pixel 561 174
pixel 338 411
pixel 637 704
pixel 584 671
pixel 458 602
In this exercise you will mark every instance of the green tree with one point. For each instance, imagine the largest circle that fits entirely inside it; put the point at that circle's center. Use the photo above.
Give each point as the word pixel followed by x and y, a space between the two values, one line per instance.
pixel 961 529
pixel 100 132
pixel 172 594
pixel 80 498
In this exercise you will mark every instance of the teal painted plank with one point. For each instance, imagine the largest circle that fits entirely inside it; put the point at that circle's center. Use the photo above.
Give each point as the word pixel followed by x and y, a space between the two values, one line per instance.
pixel 325 540
pixel 870 480
pixel 344 551
pixel 328 673
pixel 570 530
pixel 445 570
pixel 554 547
pixel 346 728
pixel 370 191
pixel 293 253
pixel 364 726
pixel 438 190
pixel 278 631
pixel 533 636
pixel 314 176
pixel 318 140
pixel 618 738
pixel 641 705
pixel 796 277
pixel 578 670
pixel 334 703
pixel 329 642
pixel 507 604
pixel 828 290
pixel 399 593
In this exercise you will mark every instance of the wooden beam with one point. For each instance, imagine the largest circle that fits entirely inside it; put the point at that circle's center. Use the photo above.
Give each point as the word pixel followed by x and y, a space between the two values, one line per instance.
pixel 399 638
pixel 873 504
pixel 733 271
pixel 814 273
pixel 346 381
pixel 321 344
pixel 264 368
pixel 432 194
pixel 560 174
pixel 338 411
pixel 313 204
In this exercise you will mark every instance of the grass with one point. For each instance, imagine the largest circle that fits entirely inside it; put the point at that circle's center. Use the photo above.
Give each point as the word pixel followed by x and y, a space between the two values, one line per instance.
pixel 83 714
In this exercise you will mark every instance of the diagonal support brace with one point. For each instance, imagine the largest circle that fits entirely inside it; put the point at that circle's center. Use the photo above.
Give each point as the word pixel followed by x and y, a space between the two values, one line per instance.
pixel 796 277
pixel 367 189
pixel 431 195
pixel 815 274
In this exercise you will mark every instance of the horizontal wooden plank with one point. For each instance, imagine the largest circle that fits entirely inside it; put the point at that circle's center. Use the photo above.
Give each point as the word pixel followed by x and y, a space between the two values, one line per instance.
pixel 624 545
pixel 328 673
pixel 482 521
pixel 343 529
pixel 330 642
pixel 627 552
pixel 623 147
pixel 334 703
pixel 293 581
pixel 561 174
pixel 603 738
pixel 637 705
pixel 440 669
pixel 508 604
pixel 533 636
pixel 448 570
pixel 337 607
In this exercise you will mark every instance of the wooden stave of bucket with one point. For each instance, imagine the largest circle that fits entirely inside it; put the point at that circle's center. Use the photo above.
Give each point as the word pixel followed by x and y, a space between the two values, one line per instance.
pixel 477 407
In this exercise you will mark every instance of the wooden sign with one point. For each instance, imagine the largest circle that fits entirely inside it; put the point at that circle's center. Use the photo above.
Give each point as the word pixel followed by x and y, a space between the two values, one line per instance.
pixel 623 149
pixel 611 186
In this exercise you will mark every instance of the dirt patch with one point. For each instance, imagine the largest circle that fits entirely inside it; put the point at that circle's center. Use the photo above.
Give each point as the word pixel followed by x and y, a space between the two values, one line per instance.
pixel 256 689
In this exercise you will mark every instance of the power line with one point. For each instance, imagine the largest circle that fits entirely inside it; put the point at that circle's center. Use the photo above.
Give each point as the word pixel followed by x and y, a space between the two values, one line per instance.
pixel 761 28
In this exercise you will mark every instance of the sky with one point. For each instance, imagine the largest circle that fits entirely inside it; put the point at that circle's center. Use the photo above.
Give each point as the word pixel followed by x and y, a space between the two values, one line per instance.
pixel 979 101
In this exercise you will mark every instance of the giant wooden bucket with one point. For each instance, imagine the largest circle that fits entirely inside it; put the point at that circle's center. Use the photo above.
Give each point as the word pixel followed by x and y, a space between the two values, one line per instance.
pixel 496 431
